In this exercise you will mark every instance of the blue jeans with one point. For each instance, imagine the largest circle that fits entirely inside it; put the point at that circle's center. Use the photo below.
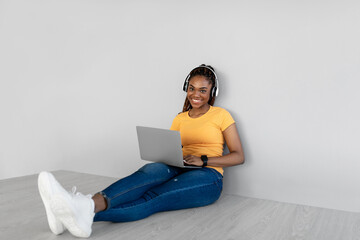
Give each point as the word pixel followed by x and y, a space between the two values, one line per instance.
pixel 158 187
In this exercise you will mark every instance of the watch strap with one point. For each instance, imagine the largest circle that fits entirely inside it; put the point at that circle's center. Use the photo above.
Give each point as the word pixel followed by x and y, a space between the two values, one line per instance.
pixel 205 159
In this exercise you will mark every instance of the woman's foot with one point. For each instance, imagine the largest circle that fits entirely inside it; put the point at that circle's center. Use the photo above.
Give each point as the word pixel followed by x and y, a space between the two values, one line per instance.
pixel 75 211
pixel 47 188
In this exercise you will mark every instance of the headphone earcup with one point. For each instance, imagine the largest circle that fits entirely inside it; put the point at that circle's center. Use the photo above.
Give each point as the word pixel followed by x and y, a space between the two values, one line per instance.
pixel 186 83
pixel 185 86
pixel 213 92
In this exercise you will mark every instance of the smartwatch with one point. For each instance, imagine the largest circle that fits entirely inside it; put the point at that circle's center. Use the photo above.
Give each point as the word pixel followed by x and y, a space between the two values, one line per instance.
pixel 204 158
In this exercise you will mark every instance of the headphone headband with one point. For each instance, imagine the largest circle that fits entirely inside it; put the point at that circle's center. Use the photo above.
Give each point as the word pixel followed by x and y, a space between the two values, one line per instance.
pixel 214 89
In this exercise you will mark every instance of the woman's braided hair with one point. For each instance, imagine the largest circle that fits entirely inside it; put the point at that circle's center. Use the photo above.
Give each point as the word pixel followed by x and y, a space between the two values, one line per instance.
pixel 202 70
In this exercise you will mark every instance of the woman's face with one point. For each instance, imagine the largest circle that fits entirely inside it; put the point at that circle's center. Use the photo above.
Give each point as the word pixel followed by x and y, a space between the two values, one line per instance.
pixel 198 92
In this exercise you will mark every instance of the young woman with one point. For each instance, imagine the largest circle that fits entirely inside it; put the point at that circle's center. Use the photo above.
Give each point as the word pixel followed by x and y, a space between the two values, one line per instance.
pixel 158 187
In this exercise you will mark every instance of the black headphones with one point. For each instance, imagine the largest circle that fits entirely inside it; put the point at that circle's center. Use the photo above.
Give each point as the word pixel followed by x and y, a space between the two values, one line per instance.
pixel 215 88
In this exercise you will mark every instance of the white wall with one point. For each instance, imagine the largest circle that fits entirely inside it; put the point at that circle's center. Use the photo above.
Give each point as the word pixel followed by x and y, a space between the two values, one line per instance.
pixel 76 77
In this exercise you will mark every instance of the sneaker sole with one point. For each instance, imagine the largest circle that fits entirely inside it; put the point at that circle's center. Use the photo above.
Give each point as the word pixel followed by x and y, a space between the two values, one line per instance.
pixel 45 193
pixel 65 212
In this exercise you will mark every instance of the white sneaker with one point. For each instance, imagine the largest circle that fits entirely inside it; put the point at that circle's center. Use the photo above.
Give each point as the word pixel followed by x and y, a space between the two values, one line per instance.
pixel 48 185
pixel 75 211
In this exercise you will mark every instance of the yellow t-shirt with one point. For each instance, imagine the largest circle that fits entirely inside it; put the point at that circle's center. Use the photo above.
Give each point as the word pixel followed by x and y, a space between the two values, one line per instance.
pixel 203 135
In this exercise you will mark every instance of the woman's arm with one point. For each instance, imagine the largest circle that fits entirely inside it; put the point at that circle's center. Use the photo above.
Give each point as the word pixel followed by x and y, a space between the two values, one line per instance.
pixel 234 157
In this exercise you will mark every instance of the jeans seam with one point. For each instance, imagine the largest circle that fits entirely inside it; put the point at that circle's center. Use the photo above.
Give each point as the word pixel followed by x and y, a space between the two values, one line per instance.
pixel 217 183
pixel 178 190
pixel 128 190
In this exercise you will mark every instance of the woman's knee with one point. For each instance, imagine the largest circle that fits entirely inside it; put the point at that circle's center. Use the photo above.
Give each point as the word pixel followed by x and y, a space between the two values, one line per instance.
pixel 155 168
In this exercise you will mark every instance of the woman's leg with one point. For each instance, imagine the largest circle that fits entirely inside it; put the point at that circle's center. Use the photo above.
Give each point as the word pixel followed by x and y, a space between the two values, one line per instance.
pixel 76 211
pixel 193 188
pixel 134 186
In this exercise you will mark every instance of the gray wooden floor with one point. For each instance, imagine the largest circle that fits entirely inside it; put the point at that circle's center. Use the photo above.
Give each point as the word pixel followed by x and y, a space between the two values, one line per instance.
pixel 231 217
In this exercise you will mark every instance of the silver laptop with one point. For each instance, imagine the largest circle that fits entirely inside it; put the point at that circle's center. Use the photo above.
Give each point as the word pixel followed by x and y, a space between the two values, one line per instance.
pixel 161 145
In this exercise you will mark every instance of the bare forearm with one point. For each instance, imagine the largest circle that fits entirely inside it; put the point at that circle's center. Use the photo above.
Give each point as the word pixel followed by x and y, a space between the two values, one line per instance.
pixel 228 160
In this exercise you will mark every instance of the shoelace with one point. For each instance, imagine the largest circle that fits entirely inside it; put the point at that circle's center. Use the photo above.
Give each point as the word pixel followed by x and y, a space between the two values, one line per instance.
pixel 74 193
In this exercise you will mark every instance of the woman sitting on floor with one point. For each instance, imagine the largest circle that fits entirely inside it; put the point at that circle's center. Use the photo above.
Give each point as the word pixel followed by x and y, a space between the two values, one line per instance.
pixel 158 187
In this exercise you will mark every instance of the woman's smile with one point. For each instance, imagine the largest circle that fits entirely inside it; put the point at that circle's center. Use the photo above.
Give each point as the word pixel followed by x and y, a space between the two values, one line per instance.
pixel 196 101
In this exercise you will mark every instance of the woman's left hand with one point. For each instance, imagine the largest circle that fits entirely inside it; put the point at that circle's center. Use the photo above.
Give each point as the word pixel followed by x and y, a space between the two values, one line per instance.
pixel 193 160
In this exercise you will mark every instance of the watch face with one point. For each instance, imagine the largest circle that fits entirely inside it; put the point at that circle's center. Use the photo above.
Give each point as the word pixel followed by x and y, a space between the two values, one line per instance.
pixel 204 158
